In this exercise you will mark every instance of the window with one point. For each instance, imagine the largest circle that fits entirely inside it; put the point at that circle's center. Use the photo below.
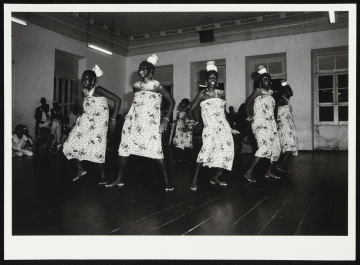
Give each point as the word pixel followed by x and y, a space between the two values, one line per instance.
pixel 65 93
pixel 164 74
pixel 65 81
pixel 331 89
pixel 275 65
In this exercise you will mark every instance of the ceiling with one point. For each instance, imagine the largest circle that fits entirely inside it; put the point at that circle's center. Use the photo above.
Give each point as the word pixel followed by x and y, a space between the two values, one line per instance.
pixel 131 24
pixel 131 33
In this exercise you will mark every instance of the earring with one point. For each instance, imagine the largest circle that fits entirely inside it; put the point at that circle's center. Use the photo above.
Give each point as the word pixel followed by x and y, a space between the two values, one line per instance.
pixel 150 75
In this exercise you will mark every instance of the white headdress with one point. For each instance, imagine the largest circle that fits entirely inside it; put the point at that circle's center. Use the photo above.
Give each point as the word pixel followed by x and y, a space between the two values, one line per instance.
pixel 153 59
pixel 210 66
pixel 283 82
pixel 98 71
pixel 262 69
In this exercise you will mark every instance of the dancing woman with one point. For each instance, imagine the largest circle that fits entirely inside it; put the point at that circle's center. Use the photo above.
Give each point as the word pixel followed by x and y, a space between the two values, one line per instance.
pixel 141 134
pixel 183 135
pixel 218 145
pixel 87 139
pixel 263 124
pixel 286 126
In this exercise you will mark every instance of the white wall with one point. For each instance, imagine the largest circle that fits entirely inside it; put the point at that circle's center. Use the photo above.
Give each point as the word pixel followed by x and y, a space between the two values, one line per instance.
pixel 298 55
pixel 33 51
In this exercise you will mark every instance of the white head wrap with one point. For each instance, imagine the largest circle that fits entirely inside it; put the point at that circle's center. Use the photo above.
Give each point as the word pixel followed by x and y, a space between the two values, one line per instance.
pixel 283 82
pixel 153 59
pixel 98 71
pixel 210 66
pixel 261 69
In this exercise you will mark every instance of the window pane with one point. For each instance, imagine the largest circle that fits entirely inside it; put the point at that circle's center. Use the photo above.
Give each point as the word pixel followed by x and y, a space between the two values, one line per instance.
pixel 326 96
pixel 71 90
pixel 342 61
pixel 54 96
pixel 343 95
pixel 66 91
pixel 325 81
pixel 60 89
pixel 343 113
pixel 343 81
pixel 326 113
pixel 326 63
pixel 275 68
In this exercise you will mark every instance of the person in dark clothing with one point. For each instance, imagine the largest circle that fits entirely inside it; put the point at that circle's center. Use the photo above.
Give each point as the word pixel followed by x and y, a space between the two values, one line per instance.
pixel 44 108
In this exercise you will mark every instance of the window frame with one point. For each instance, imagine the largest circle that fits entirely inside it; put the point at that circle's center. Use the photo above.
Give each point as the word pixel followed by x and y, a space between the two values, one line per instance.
pixel 335 73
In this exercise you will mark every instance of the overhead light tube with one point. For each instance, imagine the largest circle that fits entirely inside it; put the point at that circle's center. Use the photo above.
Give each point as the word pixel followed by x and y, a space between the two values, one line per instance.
pixel 332 16
pixel 98 49
pixel 22 22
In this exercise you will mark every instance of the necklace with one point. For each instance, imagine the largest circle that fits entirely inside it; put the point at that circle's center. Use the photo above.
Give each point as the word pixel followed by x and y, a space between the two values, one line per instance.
pixel 266 92
pixel 210 93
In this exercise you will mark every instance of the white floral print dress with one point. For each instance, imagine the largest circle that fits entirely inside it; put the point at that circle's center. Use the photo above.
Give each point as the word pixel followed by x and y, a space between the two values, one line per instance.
pixel 141 132
pixel 218 144
pixel 264 128
pixel 87 140
pixel 182 139
pixel 287 130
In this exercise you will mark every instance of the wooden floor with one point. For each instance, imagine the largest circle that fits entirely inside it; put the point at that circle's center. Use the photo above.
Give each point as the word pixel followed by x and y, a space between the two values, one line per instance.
pixel 311 200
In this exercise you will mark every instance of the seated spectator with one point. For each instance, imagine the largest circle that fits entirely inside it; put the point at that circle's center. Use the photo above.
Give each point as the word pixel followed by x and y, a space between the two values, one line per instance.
pixel 42 143
pixel 26 133
pixel 21 143
pixel 65 129
pixel 73 116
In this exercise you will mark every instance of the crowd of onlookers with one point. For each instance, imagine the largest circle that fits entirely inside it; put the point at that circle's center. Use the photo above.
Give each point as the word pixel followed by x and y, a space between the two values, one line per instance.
pixel 52 130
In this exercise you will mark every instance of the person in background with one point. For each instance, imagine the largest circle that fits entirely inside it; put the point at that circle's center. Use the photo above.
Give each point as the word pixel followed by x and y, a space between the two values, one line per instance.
pixel 73 116
pixel 20 142
pixel 26 133
pixel 56 118
pixel 286 126
pixel 183 136
pixel 230 117
pixel 42 143
pixel 39 113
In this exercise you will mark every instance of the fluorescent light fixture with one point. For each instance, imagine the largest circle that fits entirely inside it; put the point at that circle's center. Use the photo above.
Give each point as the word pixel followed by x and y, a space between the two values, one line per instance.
pixel 98 48
pixel 332 16
pixel 22 22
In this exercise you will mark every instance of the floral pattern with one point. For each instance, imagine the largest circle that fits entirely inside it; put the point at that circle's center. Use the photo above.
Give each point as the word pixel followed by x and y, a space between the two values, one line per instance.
pixel 218 144
pixel 264 128
pixel 182 139
pixel 87 140
pixel 141 132
pixel 287 130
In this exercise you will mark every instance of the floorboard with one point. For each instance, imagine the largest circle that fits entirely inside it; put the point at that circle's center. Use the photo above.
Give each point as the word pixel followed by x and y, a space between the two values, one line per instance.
pixel 310 200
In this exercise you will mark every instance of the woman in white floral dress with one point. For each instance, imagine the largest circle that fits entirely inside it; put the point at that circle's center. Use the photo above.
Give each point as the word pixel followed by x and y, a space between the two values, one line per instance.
pixel 183 135
pixel 141 134
pixel 286 127
pixel 263 125
pixel 87 139
pixel 218 145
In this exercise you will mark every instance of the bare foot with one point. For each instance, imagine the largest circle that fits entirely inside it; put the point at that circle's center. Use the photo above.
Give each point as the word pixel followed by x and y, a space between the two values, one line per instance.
pixel 117 182
pixel 168 187
pixel 283 169
pixel 271 175
pixel 103 180
pixel 249 177
pixel 79 174
pixel 216 181
pixel 193 186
